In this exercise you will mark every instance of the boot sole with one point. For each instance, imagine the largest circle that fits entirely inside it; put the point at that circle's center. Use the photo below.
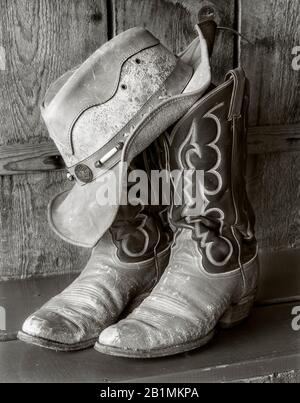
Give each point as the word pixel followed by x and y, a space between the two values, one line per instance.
pixel 141 354
pixel 235 315
pixel 55 346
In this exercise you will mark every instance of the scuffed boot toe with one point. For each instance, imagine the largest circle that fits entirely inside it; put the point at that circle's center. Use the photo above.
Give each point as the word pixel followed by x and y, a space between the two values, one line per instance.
pixel 148 333
pixel 128 338
pixel 110 337
pixel 54 331
pixel 141 338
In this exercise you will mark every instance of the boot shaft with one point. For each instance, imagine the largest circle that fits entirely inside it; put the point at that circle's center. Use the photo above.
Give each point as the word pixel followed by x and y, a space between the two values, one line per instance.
pixel 141 231
pixel 212 138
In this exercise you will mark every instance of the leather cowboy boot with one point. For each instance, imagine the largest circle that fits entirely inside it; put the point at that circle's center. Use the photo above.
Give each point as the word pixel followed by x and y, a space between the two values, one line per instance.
pixel 124 267
pixel 102 116
pixel 213 271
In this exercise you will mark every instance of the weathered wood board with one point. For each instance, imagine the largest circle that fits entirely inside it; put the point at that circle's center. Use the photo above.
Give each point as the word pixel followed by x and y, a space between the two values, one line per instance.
pixel 26 158
pixel 173 22
pixel 273 28
pixel 273 139
pixel 263 346
pixel 42 40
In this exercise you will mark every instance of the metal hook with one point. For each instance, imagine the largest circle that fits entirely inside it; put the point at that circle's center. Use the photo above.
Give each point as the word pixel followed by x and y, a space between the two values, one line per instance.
pixel 233 31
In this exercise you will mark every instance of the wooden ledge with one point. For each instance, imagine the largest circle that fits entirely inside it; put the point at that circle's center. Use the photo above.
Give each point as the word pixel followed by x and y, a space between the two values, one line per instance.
pixel 29 158
pixel 262 347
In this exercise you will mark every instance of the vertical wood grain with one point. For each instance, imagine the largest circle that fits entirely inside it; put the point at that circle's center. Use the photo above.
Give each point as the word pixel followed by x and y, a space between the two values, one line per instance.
pixel 273 28
pixel 42 40
pixel 173 21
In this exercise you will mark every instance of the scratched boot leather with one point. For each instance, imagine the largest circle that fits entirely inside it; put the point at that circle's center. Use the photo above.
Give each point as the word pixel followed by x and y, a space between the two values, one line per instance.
pixel 213 271
pixel 102 115
pixel 124 267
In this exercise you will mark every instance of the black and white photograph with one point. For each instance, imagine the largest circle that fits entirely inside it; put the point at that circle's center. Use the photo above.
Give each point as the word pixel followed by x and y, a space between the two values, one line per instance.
pixel 149 194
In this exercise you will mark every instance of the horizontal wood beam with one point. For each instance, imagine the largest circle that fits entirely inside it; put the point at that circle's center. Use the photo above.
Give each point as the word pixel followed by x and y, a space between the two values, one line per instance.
pixel 274 139
pixel 28 158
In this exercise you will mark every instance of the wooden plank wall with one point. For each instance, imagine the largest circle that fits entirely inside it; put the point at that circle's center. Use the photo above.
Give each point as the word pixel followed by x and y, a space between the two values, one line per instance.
pixel 173 22
pixel 42 39
pixel 273 28
pixel 45 38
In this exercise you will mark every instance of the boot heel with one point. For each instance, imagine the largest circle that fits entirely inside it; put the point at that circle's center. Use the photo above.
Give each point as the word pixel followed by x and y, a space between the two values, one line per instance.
pixel 238 313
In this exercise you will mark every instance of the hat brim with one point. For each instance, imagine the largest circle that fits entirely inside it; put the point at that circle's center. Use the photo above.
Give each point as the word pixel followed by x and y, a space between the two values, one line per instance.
pixel 77 216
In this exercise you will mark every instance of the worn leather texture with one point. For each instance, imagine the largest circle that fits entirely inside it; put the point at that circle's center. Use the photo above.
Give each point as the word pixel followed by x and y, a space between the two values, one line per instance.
pixel 73 215
pixel 93 123
pixel 213 265
pixel 209 139
pixel 96 299
pixel 184 307
pixel 93 83
pixel 96 121
pixel 124 267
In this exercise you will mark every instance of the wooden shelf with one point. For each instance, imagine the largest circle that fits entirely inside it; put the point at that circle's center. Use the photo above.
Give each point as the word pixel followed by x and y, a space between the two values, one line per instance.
pixel 263 346
pixel 23 297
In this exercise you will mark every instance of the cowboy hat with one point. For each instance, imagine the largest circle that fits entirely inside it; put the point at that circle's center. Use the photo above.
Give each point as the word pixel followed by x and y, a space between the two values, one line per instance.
pixel 107 111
